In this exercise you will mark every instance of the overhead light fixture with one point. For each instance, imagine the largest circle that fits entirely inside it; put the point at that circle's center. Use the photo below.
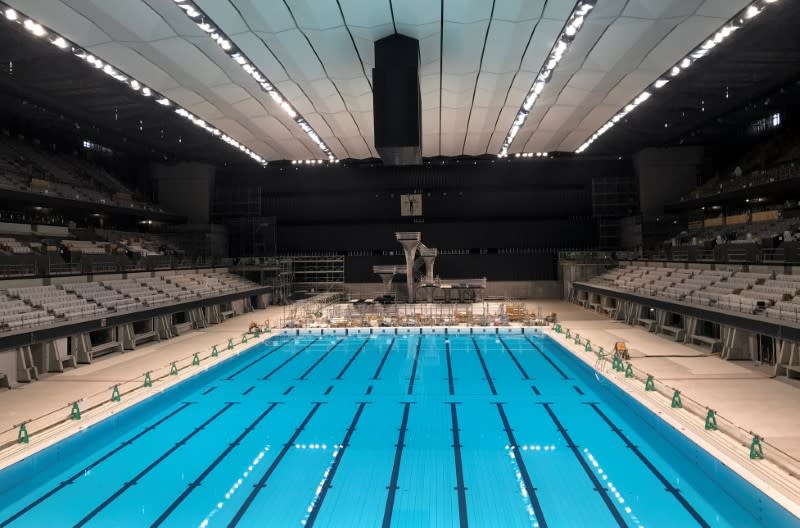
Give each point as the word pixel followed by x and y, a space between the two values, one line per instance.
pixel 573 25
pixel 719 36
pixel 62 43
pixel 204 22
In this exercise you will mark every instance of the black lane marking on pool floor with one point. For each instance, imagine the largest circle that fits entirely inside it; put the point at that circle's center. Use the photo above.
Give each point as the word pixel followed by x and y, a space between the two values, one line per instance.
pixel 598 486
pixel 91 466
pixel 320 360
pixel 199 480
pixel 312 515
pixel 523 470
pixel 398 456
pixel 485 368
pixel 276 369
pixel 248 391
pixel 449 368
pixel 353 358
pixel 152 465
pixel 369 389
pixel 514 359
pixel 265 477
pixel 547 358
pixel 667 485
pixel 414 366
pixel 210 390
pixel 460 488
pixel 287 391
pixel 578 390
pixel 262 357
pixel 535 390
pixel 328 390
pixel 383 359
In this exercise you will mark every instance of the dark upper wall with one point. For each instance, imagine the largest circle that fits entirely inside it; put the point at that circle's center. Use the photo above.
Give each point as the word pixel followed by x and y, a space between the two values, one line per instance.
pixel 503 204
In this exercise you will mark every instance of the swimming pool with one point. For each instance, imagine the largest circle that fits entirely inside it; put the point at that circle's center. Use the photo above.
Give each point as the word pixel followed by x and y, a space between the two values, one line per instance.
pixel 417 430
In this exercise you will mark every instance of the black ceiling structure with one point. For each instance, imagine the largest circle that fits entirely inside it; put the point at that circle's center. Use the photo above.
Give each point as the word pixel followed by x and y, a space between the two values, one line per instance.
pixel 722 93
pixel 45 89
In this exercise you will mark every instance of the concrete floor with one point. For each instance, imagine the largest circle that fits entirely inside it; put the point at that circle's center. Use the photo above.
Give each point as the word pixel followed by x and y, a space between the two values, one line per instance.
pixel 741 392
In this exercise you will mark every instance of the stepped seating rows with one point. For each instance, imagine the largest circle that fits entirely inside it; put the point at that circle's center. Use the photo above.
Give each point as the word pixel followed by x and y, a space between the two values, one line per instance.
pixel 39 305
pixel 752 292
pixel 14 246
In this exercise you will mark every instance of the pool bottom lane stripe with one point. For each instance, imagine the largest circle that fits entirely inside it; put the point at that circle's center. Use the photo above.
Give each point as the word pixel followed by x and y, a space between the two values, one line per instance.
pixel 414 366
pixel 352 359
pixel 260 358
pixel 547 358
pixel 460 488
pixel 667 484
pixel 265 477
pixel 598 486
pixel 450 386
pixel 91 466
pixel 152 465
pixel 484 367
pixel 398 456
pixel 320 360
pixel 323 491
pixel 526 478
pixel 514 359
pixel 290 358
pixel 247 430
pixel 383 359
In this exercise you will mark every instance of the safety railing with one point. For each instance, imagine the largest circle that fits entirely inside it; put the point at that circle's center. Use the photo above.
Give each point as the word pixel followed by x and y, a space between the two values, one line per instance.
pixel 98 404
pixel 750 441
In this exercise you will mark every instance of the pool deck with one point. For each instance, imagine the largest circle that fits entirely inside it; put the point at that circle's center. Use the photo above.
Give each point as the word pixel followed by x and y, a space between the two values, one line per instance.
pixel 741 391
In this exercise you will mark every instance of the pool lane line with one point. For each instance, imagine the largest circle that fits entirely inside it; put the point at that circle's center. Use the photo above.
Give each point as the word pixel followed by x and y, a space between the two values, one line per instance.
pixel 196 482
pixel 248 391
pixel 265 477
pixel 514 359
pixel 667 485
pixel 547 358
pixel 328 390
pixel 210 390
pixel 383 359
pixel 526 478
pixel 598 486
pixel 414 367
pixel 398 456
pixel 312 515
pixel 264 356
pixel 352 359
pixel 449 368
pixel 535 390
pixel 462 491
pixel 578 390
pixel 287 391
pixel 485 369
pixel 317 362
pixel 369 389
pixel 103 505
pixel 293 356
pixel 91 466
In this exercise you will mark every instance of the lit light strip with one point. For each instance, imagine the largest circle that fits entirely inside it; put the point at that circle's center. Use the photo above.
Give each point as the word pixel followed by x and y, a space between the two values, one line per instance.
pixel 203 21
pixel 571 28
pixel 726 30
pixel 532 154
pixel 314 162
pixel 40 31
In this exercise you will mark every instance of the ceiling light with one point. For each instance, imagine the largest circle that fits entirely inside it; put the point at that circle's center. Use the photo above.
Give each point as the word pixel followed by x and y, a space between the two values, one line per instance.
pixel 163 101
pixel 135 85
pixel 146 92
pixel 699 52
pixel 573 24
pixel 59 42
pixel 11 14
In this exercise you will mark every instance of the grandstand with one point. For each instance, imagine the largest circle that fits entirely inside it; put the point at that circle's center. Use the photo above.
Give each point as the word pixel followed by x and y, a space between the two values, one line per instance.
pixel 402 263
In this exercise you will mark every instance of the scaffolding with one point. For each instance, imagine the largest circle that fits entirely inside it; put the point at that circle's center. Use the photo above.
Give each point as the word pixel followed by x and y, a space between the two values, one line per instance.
pixel 323 273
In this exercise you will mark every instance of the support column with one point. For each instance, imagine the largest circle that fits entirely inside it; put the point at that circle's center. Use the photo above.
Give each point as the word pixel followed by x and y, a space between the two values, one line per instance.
pixel 410 243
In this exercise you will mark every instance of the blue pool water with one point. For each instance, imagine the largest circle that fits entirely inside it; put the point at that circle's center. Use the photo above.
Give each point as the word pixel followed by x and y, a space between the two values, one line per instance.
pixel 389 430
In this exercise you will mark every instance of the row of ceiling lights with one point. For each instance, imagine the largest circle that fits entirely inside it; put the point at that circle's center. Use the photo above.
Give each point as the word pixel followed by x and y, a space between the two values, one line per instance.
pixel 40 31
pixel 531 154
pixel 571 28
pixel 743 17
pixel 314 162
pixel 191 10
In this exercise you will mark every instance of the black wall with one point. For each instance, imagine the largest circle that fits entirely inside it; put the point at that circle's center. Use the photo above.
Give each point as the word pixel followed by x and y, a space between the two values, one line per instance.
pixel 535 205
